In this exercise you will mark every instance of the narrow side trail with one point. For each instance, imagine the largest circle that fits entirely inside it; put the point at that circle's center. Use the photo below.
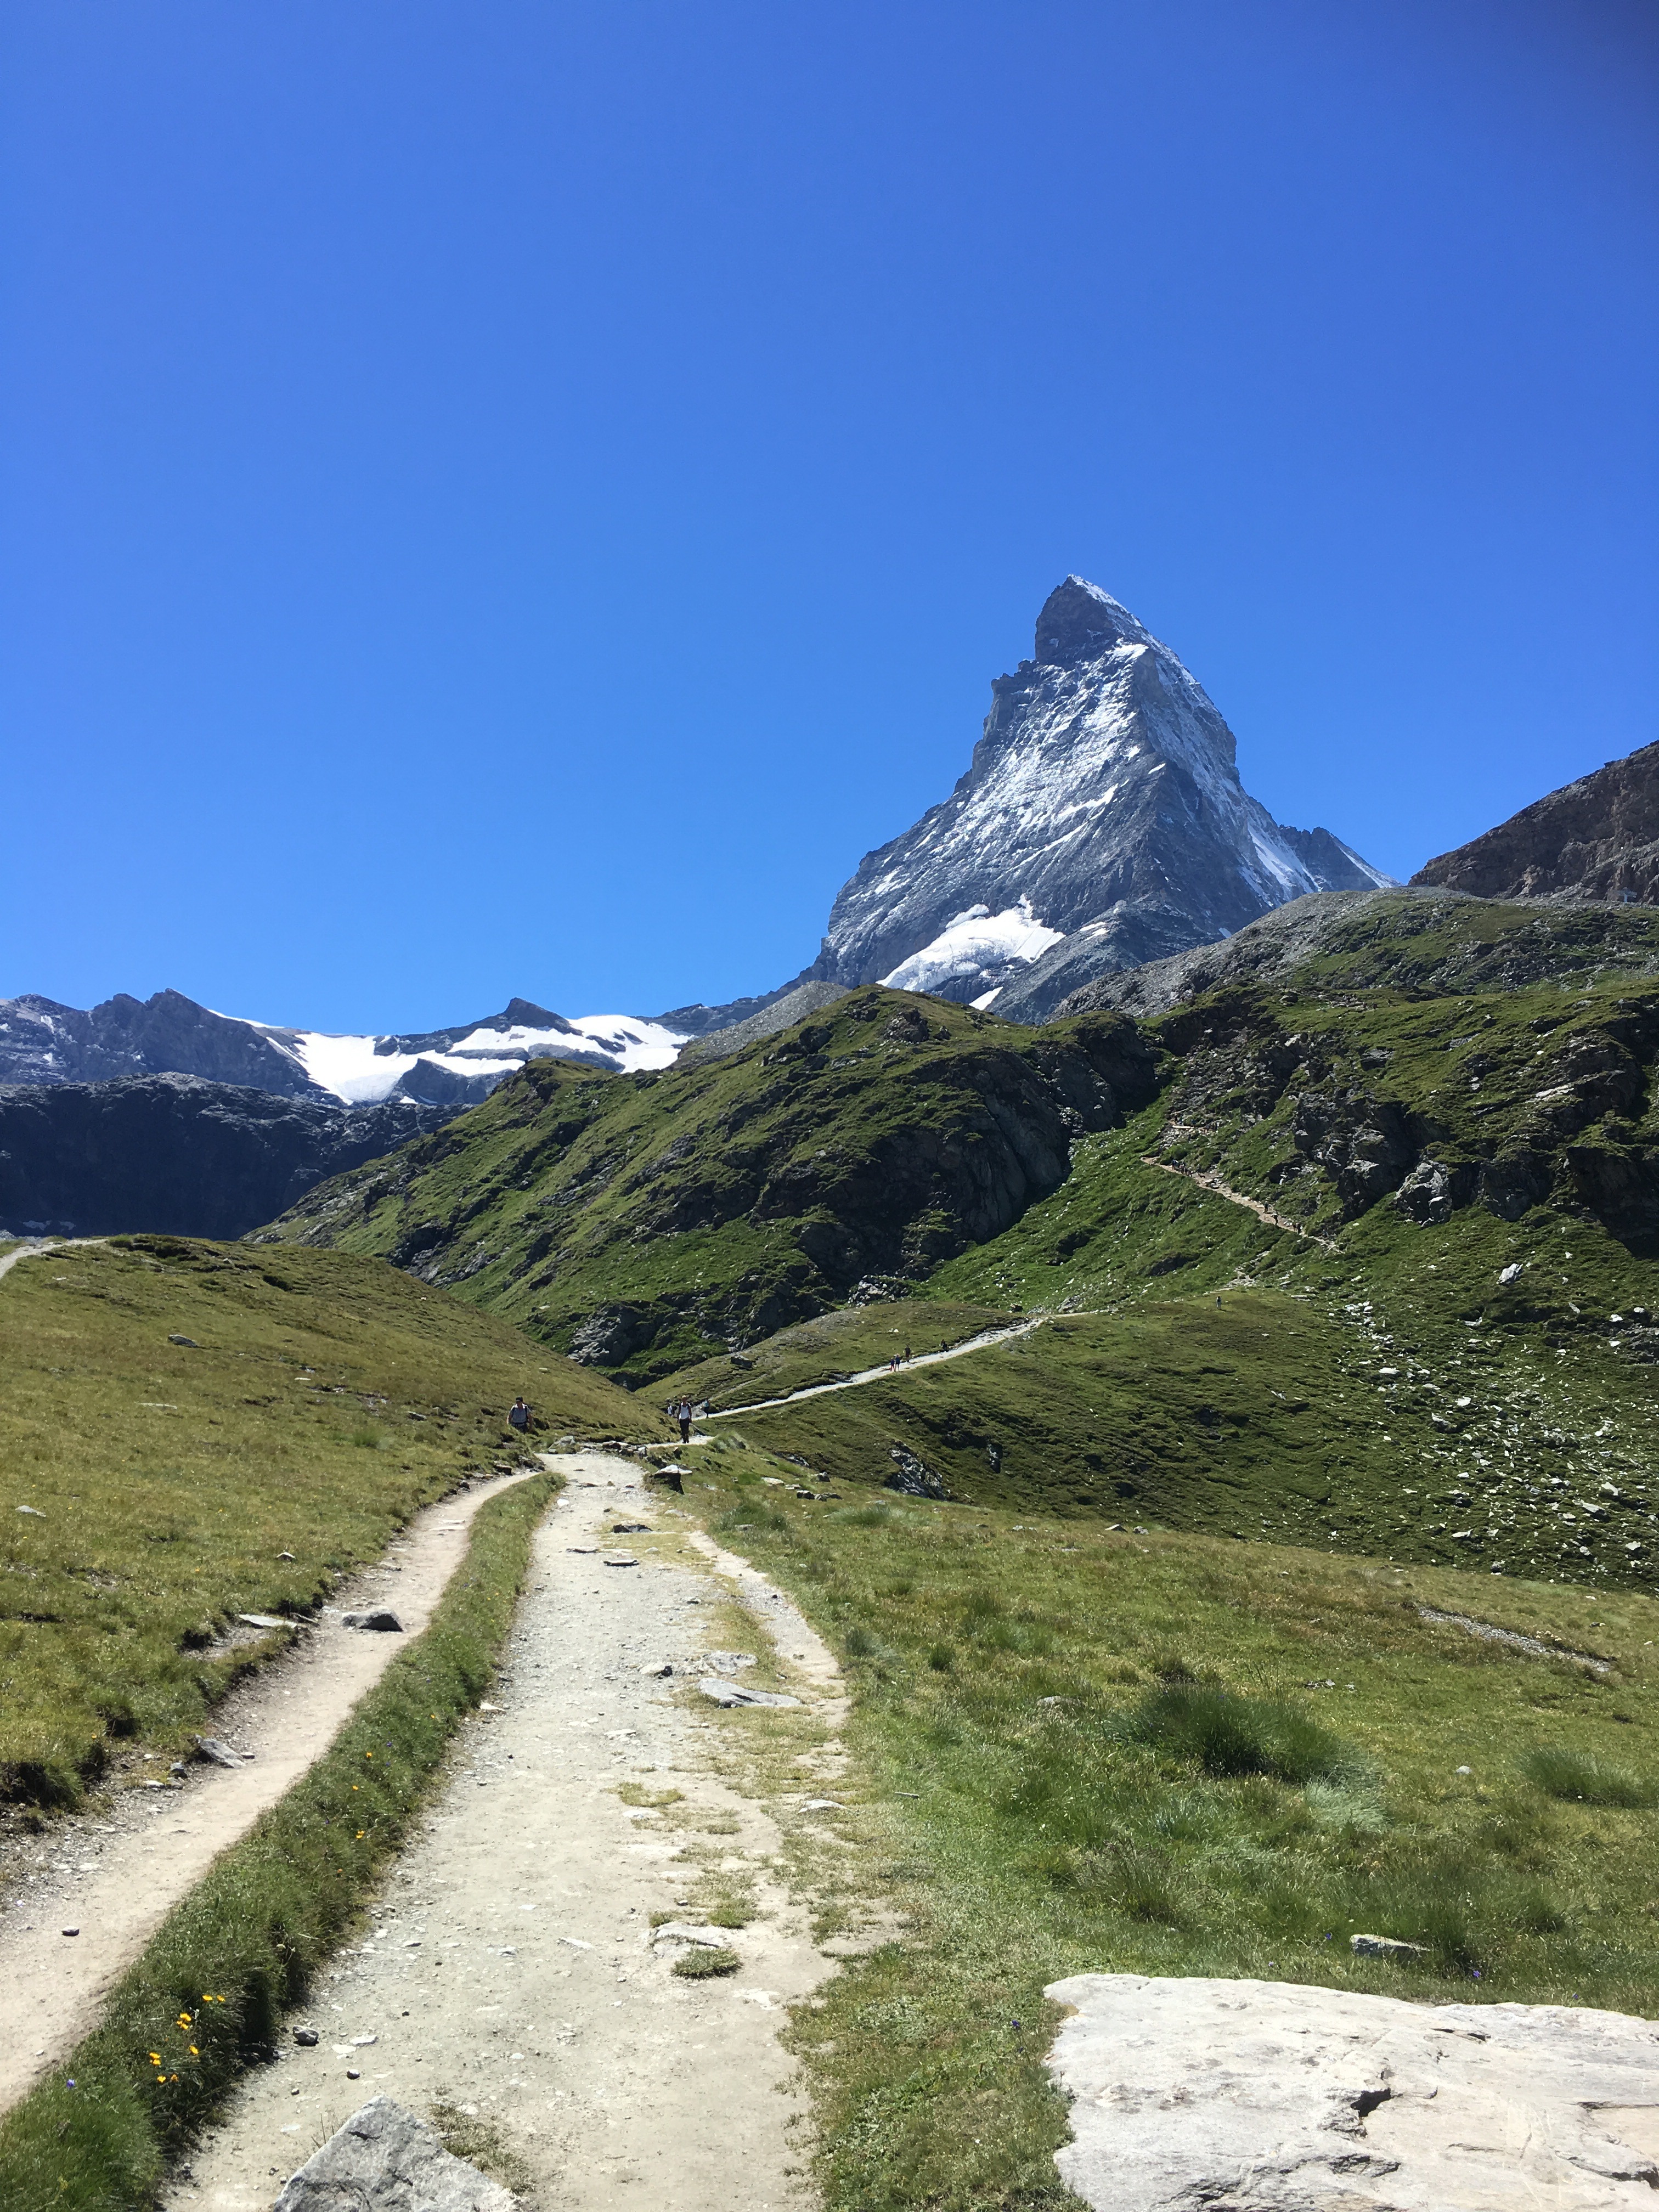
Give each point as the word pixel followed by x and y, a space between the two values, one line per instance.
pixel 1207 1181
pixel 513 1970
pixel 9 1260
pixel 980 1343
pixel 114 1875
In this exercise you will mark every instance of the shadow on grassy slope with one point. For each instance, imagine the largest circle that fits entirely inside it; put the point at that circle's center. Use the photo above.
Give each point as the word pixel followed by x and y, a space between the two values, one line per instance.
pixel 204 2001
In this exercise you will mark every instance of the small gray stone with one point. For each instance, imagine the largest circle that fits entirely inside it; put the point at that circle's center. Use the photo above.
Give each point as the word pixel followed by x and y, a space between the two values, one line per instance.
pixel 305 2037
pixel 33 1512
pixel 189 1341
pixel 385 2160
pixel 220 1753
pixel 381 1620
pixel 264 1621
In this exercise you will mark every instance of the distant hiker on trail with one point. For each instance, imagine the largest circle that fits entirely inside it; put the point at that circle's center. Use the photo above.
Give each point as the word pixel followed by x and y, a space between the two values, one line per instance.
pixel 907 1355
pixel 519 1417
pixel 683 1415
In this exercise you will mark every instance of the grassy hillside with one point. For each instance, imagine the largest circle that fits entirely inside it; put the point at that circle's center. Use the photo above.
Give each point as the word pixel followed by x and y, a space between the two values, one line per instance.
pixel 322 1399
pixel 1171 1755
pixel 1369 1378
pixel 645 1221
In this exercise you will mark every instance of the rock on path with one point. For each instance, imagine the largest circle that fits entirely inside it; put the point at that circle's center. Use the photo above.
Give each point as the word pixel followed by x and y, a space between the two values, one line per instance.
pixel 1272 2097
pixel 512 1967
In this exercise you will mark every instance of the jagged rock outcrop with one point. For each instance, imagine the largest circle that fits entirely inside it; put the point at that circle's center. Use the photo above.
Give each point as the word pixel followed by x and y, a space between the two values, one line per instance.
pixel 172 1154
pixel 1102 824
pixel 1595 839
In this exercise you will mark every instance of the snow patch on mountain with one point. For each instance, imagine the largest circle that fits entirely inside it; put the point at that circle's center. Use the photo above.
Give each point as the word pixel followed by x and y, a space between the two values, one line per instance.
pixel 362 1069
pixel 976 943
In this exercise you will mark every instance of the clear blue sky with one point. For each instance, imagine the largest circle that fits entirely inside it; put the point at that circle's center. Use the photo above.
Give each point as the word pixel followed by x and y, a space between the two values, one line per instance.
pixel 520 497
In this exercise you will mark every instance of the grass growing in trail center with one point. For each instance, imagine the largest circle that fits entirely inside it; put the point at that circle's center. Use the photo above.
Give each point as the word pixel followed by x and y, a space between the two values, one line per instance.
pixel 323 1398
pixel 1174 1755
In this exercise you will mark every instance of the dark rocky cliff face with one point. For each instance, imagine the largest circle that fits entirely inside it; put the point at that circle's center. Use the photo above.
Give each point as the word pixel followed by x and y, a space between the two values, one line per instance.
pixel 1104 807
pixel 1595 839
pixel 41 1042
pixel 174 1154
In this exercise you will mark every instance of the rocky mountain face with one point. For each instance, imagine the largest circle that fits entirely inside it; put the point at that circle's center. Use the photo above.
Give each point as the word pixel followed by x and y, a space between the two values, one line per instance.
pixel 42 1041
pixel 175 1154
pixel 1595 839
pixel 1101 824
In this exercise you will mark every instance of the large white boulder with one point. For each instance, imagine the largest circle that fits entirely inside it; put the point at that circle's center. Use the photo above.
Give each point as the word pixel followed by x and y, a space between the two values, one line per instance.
pixel 1274 2097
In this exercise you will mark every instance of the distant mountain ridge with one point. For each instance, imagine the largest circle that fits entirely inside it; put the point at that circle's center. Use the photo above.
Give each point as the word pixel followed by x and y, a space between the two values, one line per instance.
pixel 44 1042
pixel 1102 823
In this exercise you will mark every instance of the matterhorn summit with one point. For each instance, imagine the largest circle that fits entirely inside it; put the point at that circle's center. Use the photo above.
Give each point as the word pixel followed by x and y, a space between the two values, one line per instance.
pixel 1101 824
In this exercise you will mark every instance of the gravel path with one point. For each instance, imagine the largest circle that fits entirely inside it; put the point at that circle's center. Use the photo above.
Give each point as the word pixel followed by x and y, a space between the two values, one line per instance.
pixel 511 1969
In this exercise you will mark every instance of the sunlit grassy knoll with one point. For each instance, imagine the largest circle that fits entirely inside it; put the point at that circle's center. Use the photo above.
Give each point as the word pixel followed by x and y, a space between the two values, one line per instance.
pixel 1176 1754
pixel 325 1398
pixel 829 1349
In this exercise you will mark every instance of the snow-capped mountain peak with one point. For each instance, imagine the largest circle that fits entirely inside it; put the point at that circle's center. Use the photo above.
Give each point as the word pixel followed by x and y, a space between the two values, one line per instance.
pixel 1102 809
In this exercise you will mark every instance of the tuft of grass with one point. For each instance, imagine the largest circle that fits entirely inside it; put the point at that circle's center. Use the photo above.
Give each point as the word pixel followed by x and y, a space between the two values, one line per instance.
pixel 1228 1734
pixel 1579 1778
pixel 731 1912
pixel 248 1941
pixel 699 1962
pixel 479 2140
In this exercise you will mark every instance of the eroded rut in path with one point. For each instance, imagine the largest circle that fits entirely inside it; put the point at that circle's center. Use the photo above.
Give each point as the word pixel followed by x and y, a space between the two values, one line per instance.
pixel 512 1968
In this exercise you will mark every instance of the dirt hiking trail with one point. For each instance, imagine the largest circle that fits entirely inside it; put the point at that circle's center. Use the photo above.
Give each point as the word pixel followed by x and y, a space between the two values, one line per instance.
pixel 116 1873
pixel 511 1969
pixel 980 1343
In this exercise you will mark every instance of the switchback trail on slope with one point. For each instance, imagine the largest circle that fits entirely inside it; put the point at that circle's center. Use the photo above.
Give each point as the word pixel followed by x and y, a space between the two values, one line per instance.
pixel 512 1969
pixel 980 1343
pixel 115 1872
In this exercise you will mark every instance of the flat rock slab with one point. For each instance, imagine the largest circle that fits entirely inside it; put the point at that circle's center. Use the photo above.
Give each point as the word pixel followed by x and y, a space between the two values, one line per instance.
pixel 733 1693
pixel 385 2160
pixel 387 1624
pixel 1274 2097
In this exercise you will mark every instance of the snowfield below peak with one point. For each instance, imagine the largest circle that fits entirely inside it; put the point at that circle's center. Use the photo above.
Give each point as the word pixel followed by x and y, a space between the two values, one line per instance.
pixel 975 944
